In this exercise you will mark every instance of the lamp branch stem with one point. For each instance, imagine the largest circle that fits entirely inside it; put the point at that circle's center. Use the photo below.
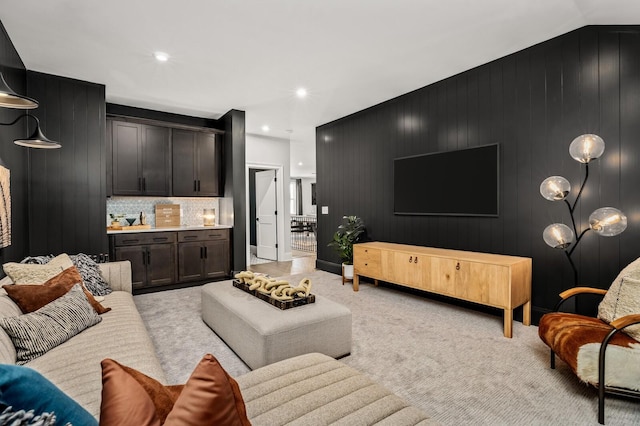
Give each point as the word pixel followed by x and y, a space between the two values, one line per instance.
pixel 578 240
pixel 573 266
pixel 573 220
pixel 575 202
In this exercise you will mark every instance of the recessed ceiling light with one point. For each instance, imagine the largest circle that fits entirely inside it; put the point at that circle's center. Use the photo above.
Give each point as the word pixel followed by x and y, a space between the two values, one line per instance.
pixel 161 56
pixel 265 128
pixel 301 92
pixel 300 163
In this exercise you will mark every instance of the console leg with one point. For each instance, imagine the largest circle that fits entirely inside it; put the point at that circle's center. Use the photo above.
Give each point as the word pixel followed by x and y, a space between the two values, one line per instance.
pixel 508 320
pixel 526 313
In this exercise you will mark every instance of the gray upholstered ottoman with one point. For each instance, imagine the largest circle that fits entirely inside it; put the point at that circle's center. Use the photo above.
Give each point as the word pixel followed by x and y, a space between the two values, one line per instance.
pixel 262 334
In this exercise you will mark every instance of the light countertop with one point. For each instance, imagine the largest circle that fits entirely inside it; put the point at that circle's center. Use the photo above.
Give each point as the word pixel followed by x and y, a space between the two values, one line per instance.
pixel 176 228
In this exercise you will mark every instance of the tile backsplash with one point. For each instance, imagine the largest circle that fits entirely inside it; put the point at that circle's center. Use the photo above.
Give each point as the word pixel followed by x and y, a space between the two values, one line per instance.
pixel 190 208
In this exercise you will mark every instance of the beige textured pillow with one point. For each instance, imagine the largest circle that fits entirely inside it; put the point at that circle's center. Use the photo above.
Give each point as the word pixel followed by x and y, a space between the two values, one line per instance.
pixel 25 273
pixel 622 298
pixel 63 260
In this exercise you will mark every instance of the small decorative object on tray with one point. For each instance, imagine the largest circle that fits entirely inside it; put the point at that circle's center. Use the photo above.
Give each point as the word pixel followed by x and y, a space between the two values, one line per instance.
pixel 279 293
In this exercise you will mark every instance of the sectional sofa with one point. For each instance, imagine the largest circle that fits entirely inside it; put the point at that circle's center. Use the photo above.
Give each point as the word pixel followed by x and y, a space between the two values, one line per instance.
pixel 309 389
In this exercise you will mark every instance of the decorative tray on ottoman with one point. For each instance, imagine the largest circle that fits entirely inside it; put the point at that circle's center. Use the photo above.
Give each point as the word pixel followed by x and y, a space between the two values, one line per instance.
pixel 281 304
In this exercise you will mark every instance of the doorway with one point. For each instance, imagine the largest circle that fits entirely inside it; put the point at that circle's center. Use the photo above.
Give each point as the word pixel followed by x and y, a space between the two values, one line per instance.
pixel 263 222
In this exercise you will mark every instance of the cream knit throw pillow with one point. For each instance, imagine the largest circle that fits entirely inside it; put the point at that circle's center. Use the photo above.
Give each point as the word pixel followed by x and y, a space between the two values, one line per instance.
pixel 623 298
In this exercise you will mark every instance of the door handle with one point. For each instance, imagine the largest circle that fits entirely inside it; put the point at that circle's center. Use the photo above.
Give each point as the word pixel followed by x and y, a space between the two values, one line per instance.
pixel 190 237
pixel 206 255
pixel 201 252
pixel 195 185
pixel 416 261
pixel 148 258
pixel 410 259
pixel 198 185
pixel 458 266
pixel 144 258
pixel 144 184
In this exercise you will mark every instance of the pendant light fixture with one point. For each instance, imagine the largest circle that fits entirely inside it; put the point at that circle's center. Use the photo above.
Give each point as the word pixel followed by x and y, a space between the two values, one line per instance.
pixel 37 138
pixel 10 99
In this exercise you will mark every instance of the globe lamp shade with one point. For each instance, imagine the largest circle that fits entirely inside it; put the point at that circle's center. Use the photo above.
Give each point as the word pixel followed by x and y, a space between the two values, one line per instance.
pixel 587 147
pixel 555 188
pixel 608 221
pixel 558 235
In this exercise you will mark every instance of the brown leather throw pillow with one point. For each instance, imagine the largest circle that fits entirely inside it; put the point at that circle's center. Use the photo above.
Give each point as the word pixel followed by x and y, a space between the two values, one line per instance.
pixel 130 397
pixel 210 397
pixel 30 298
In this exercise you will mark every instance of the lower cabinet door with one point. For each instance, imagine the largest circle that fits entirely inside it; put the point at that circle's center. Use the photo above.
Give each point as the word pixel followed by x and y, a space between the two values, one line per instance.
pixel 216 259
pixel 190 261
pixel 161 264
pixel 137 255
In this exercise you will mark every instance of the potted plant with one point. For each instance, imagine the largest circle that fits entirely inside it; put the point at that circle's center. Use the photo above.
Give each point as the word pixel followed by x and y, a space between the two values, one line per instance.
pixel 346 236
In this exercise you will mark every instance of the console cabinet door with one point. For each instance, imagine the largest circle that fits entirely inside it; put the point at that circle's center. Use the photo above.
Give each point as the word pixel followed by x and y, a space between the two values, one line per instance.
pixel 407 268
pixel 443 275
pixel 479 282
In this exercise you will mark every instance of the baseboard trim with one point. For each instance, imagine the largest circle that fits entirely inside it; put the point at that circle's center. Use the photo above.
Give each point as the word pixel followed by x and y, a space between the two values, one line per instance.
pixel 334 268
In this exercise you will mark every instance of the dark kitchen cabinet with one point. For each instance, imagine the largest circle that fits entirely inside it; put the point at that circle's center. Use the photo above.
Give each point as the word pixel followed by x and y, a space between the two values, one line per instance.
pixel 203 254
pixel 152 256
pixel 141 159
pixel 196 164
pixel 173 257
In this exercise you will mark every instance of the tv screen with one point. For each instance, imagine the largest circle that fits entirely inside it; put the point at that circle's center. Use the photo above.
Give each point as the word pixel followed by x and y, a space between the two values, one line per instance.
pixel 454 183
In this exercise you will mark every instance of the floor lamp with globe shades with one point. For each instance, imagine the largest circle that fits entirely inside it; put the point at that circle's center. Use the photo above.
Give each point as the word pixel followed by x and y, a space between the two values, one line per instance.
pixel 605 221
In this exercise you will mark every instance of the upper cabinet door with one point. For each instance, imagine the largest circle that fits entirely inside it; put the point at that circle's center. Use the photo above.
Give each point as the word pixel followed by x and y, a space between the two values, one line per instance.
pixel 184 159
pixel 208 165
pixel 127 168
pixel 140 159
pixel 196 164
pixel 155 160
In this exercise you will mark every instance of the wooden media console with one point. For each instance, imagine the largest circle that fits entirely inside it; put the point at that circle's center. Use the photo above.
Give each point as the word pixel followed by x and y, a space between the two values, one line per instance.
pixel 495 280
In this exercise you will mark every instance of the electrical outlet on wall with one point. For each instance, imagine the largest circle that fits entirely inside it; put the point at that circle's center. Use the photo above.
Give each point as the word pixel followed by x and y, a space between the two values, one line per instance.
pixel 325 209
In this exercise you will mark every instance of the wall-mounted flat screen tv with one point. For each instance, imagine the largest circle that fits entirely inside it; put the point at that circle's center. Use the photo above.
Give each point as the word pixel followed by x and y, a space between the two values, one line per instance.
pixel 463 182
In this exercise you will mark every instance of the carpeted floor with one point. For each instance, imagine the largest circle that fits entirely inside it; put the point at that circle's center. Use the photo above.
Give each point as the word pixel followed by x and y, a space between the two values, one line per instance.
pixel 452 362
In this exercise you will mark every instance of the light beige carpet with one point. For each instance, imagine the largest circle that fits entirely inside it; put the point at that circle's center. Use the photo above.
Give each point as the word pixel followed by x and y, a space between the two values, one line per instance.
pixel 452 362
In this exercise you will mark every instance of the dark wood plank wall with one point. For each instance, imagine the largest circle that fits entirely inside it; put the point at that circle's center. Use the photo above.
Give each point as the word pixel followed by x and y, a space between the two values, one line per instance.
pixel 67 195
pixel 234 200
pixel 533 103
pixel 15 157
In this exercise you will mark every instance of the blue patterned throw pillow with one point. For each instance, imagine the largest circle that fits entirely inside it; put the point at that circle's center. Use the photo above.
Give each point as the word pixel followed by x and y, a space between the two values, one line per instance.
pixel 26 391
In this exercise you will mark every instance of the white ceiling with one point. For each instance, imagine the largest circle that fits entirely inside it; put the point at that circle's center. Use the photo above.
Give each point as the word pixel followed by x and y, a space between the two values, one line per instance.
pixel 252 55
